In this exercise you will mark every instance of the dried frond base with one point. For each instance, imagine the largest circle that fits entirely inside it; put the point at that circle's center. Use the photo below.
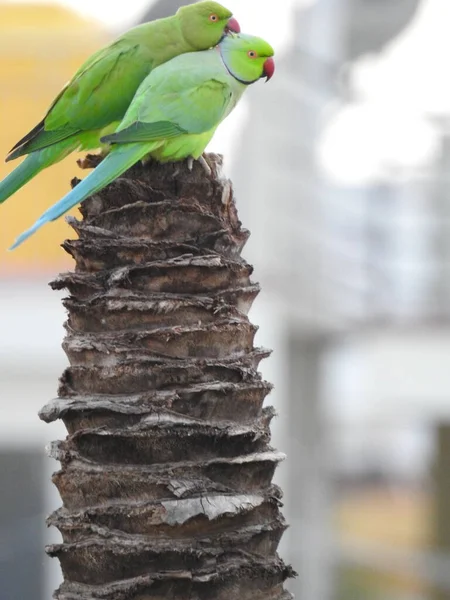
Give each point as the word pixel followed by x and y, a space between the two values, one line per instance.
pixel 166 474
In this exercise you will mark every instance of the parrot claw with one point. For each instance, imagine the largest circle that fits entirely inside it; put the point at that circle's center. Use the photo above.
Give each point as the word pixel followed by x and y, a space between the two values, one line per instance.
pixel 204 163
pixel 226 193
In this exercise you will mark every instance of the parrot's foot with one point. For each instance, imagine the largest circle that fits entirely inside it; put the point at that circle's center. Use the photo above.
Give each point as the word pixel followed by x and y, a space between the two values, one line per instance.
pixel 90 161
pixel 202 161
pixel 205 164
pixel 226 193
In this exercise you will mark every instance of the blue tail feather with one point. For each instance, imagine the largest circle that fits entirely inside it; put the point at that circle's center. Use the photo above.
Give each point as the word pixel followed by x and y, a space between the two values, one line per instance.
pixel 109 169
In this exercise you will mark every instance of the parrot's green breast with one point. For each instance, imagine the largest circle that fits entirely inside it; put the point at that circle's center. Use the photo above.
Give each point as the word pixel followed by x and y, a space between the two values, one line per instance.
pixel 190 144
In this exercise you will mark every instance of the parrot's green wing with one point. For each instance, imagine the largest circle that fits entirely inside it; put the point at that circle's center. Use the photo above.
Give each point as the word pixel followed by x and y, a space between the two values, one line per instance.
pixel 195 111
pixel 107 77
pixel 173 101
pixel 80 106
pixel 145 132
pixel 40 140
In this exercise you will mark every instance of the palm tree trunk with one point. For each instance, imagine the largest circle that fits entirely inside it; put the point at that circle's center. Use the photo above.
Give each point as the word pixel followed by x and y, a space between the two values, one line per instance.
pixel 166 471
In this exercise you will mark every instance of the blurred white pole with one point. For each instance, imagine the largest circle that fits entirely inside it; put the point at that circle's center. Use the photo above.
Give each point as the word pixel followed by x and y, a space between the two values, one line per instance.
pixel 322 34
pixel 309 492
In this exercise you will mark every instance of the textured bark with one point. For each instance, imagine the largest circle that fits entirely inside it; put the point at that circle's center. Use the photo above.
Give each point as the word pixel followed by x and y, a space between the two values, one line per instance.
pixel 166 473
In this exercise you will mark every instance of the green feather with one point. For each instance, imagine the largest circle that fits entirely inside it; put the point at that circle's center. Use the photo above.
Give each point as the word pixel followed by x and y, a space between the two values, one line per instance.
pixel 43 140
pixel 144 132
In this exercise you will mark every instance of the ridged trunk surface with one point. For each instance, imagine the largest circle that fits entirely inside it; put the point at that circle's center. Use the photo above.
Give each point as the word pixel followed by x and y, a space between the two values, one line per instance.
pixel 166 473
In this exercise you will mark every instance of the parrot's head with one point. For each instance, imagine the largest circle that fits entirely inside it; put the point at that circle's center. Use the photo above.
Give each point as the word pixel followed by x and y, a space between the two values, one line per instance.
pixel 247 58
pixel 205 23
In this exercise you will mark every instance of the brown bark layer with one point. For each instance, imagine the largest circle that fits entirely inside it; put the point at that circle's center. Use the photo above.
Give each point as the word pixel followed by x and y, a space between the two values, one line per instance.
pixel 166 473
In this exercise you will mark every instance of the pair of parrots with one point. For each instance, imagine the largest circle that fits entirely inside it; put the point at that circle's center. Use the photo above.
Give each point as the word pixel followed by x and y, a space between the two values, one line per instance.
pixel 160 91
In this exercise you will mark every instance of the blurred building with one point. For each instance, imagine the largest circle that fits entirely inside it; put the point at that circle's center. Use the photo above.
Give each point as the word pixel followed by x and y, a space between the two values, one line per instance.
pixel 355 286
pixel 162 8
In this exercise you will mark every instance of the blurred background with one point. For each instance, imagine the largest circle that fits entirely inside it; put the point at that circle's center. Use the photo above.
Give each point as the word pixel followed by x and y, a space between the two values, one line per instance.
pixel 341 170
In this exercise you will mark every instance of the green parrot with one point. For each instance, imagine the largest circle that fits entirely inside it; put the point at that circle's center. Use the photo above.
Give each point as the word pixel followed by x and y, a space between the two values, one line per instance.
pixel 175 113
pixel 96 99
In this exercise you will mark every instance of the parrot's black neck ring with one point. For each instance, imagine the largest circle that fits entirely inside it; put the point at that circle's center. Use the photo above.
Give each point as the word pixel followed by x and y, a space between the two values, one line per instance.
pixel 240 80
pixel 233 75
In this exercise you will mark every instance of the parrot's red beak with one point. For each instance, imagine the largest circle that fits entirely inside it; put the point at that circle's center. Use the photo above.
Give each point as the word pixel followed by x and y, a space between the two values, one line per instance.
pixel 269 69
pixel 233 26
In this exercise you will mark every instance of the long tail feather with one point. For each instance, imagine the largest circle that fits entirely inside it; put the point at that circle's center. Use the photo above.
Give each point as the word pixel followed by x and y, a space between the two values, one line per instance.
pixel 114 165
pixel 32 165
pixel 20 176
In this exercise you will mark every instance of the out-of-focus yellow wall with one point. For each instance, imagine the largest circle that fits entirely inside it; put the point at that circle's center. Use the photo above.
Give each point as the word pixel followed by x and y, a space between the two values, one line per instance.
pixel 41 46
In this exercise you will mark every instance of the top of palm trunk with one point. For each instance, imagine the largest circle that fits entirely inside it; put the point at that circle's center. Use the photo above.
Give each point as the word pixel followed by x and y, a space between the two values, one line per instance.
pixel 166 472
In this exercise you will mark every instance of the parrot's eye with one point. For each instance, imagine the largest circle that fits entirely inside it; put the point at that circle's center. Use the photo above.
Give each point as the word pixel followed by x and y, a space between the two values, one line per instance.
pixel 252 54
pixel 213 18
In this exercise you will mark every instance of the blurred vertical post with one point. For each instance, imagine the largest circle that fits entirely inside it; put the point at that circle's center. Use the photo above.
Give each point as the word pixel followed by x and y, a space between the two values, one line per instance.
pixel 440 293
pixel 309 487
pixel 441 514
pixel 440 290
pixel 280 179
pixel 310 491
